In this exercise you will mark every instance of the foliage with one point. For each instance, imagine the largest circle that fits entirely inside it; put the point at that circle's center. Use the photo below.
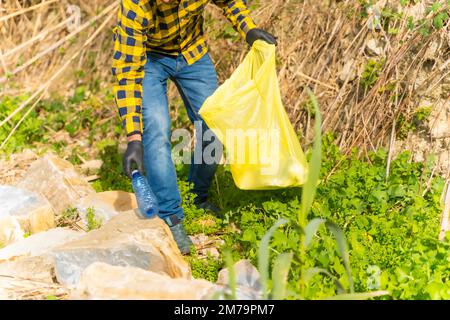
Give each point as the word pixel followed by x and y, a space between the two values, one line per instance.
pixel 436 16
pixel 111 172
pixel 28 132
pixel 404 126
pixel 92 221
pixel 68 217
pixel 371 73
pixel 391 224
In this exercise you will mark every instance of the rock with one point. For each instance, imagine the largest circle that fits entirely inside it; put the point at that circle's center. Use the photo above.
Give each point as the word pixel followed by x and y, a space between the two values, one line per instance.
pixel 38 244
pixel 373 48
pixel 57 180
pixel 349 70
pixel 36 268
pixel 126 240
pixel 25 289
pixel 92 166
pixel 10 231
pixel 248 280
pixel 29 259
pixel 106 205
pixel 23 211
pixel 102 281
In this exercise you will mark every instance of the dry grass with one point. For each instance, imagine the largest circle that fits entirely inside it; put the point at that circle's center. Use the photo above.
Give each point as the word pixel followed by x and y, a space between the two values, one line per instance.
pixel 317 41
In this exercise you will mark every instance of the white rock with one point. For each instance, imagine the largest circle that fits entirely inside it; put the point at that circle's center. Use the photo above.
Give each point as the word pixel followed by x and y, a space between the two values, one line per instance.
pixel 23 211
pixel 39 243
pixel 248 280
pixel 373 47
pixel 101 281
pixel 106 205
pixel 126 240
pixel 57 180
pixel 349 71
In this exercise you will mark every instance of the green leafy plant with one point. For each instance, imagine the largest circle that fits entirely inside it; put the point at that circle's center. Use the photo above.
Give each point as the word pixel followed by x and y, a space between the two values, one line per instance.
pixel 371 73
pixel 92 221
pixel 275 287
pixel 68 217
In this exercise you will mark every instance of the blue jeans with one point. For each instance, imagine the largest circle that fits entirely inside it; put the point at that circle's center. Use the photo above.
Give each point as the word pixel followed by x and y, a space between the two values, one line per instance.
pixel 195 83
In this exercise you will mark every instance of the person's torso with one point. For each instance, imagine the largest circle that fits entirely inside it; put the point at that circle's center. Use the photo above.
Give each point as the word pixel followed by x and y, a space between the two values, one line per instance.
pixel 175 25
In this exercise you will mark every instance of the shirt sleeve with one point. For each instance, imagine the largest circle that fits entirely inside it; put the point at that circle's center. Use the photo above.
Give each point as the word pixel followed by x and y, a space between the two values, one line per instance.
pixel 238 14
pixel 128 63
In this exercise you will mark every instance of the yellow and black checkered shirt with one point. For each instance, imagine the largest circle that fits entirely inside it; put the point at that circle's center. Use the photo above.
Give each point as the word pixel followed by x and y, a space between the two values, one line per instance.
pixel 172 28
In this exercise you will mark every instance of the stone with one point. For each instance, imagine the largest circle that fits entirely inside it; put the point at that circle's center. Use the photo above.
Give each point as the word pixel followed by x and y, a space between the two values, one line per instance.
pixel 10 231
pixel 349 71
pixel 39 244
pixel 106 205
pixel 91 166
pixel 35 268
pixel 248 280
pixel 373 48
pixel 29 258
pixel 24 289
pixel 22 212
pixel 101 281
pixel 57 180
pixel 126 240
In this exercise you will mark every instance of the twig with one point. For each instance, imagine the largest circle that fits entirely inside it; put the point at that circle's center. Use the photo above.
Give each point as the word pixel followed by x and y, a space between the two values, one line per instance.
pixel 22 119
pixel 14 14
pixel 59 43
pixel 54 76
pixel 47 84
pixel 39 36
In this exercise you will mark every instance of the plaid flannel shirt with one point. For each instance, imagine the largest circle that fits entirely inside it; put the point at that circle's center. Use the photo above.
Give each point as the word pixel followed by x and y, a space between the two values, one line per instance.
pixel 173 28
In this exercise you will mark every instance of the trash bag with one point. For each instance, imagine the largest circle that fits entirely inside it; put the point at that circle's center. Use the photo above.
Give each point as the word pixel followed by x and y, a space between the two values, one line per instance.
pixel 247 115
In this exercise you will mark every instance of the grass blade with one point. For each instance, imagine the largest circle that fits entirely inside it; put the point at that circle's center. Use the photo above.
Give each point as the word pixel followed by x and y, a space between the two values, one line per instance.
pixel 263 256
pixel 310 186
pixel 343 250
pixel 280 274
pixel 311 230
pixel 311 272
pixel 231 274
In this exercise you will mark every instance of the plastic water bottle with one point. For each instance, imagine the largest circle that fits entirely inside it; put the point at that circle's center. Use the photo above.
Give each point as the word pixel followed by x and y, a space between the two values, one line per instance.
pixel 146 199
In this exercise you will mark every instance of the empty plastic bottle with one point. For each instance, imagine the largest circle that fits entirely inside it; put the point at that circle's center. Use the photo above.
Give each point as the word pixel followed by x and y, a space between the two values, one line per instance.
pixel 146 199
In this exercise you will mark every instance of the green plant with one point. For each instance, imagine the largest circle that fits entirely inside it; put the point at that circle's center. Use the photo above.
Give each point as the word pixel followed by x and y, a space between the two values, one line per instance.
pixel 404 126
pixel 68 217
pixel 371 73
pixel 92 221
pixel 205 268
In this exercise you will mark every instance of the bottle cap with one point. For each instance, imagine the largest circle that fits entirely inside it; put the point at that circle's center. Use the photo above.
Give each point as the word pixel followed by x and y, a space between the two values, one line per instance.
pixel 134 172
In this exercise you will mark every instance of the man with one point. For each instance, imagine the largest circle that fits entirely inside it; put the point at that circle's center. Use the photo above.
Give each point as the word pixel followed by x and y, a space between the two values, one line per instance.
pixel 157 40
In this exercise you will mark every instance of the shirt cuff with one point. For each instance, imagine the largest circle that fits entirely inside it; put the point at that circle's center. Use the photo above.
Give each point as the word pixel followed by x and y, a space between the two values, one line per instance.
pixel 245 26
pixel 132 124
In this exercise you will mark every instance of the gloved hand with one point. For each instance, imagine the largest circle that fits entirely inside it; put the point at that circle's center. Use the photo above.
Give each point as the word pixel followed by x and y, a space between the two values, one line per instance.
pixel 134 153
pixel 259 34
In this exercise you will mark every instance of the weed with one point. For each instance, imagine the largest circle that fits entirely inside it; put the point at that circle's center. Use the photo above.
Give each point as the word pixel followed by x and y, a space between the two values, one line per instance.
pixel 92 221
pixel 371 73
pixel 68 217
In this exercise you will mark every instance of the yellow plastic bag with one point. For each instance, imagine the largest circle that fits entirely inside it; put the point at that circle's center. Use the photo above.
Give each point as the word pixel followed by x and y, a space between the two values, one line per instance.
pixel 248 117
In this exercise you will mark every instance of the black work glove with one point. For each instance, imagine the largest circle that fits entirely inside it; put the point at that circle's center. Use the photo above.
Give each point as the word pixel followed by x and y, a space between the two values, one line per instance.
pixel 134 153
pixel 259 34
